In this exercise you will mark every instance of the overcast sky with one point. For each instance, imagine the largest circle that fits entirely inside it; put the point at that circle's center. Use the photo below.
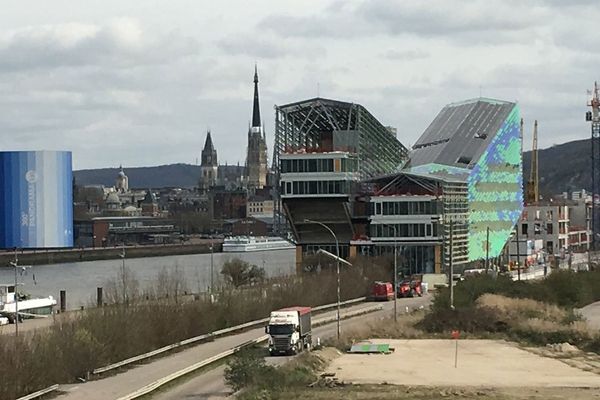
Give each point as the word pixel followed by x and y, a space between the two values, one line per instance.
pixel 139 82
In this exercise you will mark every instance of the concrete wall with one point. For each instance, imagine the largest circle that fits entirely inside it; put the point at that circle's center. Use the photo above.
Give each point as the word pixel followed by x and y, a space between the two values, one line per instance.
pixel 76 255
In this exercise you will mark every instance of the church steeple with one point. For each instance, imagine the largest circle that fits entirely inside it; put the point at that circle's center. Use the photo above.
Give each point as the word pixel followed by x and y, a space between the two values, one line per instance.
pixel 209 153
pixel 256 108
pixel 208 144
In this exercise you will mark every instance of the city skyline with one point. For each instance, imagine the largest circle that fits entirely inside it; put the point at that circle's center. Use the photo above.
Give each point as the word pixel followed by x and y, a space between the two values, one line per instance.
pixel 123 84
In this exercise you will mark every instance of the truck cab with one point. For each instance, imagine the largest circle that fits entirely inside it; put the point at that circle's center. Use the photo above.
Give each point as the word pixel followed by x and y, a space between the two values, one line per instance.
pixel 289 330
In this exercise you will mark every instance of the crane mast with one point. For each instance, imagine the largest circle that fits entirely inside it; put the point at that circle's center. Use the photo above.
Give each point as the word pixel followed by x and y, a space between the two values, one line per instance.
pixel 533 192
pixel 593 116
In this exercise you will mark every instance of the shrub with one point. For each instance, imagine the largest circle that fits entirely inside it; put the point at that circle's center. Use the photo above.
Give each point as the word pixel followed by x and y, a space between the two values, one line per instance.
pixel 465 320
pixel 563 288
pixel 238 272
pixel 541 332
pixel 138 322
pixel 512 308
pixel 246 368
pixel 261 381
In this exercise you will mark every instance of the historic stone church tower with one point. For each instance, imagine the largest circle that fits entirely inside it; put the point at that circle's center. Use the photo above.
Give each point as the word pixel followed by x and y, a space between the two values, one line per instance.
pixel 256 159
pixel 208 165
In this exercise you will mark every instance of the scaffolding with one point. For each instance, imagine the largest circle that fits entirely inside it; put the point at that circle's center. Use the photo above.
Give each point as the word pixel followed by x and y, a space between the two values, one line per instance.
pixel 319 125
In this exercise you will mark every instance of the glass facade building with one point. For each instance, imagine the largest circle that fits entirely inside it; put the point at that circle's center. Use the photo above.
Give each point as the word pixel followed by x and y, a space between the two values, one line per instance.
pixel 469 162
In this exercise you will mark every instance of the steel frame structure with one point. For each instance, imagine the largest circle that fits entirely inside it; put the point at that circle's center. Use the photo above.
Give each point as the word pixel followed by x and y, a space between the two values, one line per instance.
pixel 300 126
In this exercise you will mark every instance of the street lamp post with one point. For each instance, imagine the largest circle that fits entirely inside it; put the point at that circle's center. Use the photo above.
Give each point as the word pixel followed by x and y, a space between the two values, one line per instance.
pixel 124 276
pixel 395 271
pixel 451 265
pixel 518 256
pixel 487 250
pixel 337 249
pixel 16 266
pixel 211 268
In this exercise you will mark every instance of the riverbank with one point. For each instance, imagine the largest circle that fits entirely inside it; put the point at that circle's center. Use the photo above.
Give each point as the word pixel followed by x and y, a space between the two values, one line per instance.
pixel 40 257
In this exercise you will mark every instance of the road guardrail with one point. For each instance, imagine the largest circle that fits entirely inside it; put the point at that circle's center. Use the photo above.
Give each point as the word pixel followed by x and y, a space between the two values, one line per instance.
pixel 211 335
pixel 39 393
pixel 169 378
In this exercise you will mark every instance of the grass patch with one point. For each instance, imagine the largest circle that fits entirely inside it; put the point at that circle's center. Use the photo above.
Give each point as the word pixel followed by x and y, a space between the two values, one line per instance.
pixel 248 372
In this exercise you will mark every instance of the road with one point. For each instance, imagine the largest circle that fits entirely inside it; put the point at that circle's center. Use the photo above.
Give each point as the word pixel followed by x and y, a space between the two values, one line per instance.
pixel 128 381
pixel 591 313
pixel 211 385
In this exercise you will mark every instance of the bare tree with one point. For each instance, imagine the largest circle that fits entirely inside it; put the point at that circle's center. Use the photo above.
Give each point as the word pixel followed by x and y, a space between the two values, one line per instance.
pixel 238 272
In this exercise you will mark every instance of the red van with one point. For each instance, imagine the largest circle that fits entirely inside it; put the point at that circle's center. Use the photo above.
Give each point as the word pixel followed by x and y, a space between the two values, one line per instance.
pixel 382 291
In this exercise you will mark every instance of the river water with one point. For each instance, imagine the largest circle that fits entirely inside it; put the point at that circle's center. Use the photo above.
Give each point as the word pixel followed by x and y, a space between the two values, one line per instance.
pixel 80 279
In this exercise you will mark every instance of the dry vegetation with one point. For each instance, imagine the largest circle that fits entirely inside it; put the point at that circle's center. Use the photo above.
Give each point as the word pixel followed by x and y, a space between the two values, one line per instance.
pixel 143 319
pixel 537 313
pixel 391 392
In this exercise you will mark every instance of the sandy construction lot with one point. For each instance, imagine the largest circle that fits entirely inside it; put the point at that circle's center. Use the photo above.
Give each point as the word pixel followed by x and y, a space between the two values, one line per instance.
pixel 480 363
pixel 592 314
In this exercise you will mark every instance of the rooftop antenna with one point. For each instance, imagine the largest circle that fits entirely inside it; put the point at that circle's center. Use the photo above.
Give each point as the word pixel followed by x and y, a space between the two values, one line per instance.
pixel 318 89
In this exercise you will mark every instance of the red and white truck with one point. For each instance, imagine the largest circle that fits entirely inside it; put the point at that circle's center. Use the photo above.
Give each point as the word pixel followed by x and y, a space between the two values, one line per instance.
pixel 289 330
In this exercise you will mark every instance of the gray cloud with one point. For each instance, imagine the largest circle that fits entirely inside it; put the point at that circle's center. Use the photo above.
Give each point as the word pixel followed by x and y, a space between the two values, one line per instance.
pixel 252 46
pixel 473 20
pixel 136 91
pixel 434 18
pixel 405 55
pixel 120 43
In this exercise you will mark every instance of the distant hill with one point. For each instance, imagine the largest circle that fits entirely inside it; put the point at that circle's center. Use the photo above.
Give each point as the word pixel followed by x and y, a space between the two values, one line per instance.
pixel 172 175
pixel 564 167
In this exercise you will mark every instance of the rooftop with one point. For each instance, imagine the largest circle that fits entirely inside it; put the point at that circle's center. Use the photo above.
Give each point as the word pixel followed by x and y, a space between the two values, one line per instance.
pixel 460 133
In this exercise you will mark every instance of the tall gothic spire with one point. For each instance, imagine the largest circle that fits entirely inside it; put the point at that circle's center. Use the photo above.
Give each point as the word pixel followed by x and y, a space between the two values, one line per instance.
pixel 256 109
pixel 208 144
pixel 209 153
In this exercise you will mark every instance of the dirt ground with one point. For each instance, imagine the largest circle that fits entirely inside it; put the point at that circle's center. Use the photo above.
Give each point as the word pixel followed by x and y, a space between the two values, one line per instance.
pixel 481 363
pixel 392 392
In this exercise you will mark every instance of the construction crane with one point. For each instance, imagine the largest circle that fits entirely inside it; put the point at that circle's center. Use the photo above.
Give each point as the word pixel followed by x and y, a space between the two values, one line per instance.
pixel 593 116
pixel 532 196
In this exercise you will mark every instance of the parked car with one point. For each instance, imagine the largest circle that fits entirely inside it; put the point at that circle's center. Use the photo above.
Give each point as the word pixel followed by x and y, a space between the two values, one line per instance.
pixel 382 291
pixel 410 287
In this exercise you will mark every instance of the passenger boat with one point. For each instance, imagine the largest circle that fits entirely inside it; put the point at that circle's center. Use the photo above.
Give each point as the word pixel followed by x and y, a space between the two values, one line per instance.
pixel 28 307
pixel 240 244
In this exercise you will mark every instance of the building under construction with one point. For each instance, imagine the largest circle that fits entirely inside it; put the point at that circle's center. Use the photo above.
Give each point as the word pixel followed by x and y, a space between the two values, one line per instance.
pixel 323 150
pixel 454 199
pixel 460 194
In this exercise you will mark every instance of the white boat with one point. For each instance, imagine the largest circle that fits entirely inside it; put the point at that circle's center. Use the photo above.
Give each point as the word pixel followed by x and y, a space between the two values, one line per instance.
pixel 240 244
pixel 28 307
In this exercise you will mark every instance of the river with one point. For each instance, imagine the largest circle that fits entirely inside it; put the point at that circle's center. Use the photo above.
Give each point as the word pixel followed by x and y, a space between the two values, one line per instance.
pixel 80 279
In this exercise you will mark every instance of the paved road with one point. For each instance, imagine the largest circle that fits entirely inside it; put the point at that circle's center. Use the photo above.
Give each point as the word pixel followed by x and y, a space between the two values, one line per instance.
pixel 212 385
pixel 124 383
pixel 592 314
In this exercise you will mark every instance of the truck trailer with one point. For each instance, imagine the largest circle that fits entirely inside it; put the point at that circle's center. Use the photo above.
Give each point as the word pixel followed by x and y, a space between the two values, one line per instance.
pixel 289 330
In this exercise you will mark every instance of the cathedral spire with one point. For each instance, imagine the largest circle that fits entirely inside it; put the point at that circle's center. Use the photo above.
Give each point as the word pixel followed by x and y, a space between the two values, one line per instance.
pixel 209 153
pixel 256 109
pixel 208 144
